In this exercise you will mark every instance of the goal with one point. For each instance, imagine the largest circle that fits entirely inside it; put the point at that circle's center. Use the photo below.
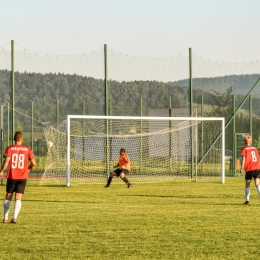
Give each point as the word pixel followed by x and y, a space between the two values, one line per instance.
pixel 85 148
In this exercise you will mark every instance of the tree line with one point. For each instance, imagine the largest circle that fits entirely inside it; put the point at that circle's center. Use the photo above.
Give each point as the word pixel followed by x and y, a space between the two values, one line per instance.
pixel 72 91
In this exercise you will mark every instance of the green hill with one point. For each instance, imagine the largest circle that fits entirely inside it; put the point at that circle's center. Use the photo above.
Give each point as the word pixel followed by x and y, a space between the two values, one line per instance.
pixel 241 84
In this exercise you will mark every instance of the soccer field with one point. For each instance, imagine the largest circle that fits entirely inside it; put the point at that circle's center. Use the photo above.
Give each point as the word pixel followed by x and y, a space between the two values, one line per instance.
pixel 171 220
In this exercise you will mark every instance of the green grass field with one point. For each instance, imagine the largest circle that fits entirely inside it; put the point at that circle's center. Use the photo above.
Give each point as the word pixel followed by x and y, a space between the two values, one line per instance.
pixel 171 220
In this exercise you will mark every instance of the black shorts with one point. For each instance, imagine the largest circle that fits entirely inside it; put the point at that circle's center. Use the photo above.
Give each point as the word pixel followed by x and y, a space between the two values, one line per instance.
pixel 17 186
pixel 119 171
pixel 252 174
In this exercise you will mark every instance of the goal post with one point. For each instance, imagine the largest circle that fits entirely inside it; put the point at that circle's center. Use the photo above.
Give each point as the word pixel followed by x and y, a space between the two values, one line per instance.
pixel 158 147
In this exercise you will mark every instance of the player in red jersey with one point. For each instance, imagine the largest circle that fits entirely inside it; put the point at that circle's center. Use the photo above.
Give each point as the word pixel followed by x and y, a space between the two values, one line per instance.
pixel 123 168
pixel 16 158
pixel 251 164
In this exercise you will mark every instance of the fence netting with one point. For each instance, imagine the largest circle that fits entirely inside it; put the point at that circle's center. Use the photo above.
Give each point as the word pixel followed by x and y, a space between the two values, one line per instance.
pixel 49 87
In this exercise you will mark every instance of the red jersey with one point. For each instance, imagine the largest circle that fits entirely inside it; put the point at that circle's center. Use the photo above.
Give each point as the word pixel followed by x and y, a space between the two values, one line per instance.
pixel 18 164
pixel 251 155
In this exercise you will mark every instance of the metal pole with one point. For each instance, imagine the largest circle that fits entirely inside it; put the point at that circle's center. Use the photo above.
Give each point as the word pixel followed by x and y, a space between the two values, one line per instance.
pixel 202 128
pixel 106 111
pixel 191 109
pixel 13 90
pixel 68 153
pixel 83 133
pixel 191 85
pixel 223 151
pixel 196 148
pixel 84 113
pixel 8 124
pixel 250 115
pixel 170 135
pixel 32 139
pixel 2 138
pixel 106 85
pixel 234 138
pixel 58 120
pixel 141 139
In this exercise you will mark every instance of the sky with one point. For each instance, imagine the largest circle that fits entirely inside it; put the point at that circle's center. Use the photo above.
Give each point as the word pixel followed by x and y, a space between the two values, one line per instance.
pixel 219 30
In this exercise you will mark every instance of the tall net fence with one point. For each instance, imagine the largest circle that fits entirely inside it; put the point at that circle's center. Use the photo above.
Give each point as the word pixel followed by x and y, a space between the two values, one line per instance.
pixel 229 84
pixel 75 84
pixel 49 87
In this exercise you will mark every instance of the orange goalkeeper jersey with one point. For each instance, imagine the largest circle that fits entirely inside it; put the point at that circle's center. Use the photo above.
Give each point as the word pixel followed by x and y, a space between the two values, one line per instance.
pixel 124 161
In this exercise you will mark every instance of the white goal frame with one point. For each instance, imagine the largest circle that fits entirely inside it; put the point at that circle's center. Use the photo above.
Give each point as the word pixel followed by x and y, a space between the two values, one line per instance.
pixel 69 117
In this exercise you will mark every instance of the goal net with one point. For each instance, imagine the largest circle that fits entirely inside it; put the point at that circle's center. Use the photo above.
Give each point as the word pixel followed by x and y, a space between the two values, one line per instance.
pixel 85 148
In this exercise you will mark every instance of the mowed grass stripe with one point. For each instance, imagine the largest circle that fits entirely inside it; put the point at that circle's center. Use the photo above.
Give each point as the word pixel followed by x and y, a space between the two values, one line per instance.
pixel 171 220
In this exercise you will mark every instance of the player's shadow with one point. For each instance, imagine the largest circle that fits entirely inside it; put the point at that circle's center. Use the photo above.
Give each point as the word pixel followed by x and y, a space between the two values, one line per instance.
pixel 59 201
pixel 152 196
pixel 187 199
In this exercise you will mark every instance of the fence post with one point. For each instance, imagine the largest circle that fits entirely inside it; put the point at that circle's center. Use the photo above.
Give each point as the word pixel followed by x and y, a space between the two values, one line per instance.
pixel 32 139
pixel 202 128
pixel 191 109
pixel 170 134
pixel 2 138
pixel 234 137
pixel 250 115
pixel 141 139
pixel 106 85
pixel 107 153
pixel 13 90
pixel 8 124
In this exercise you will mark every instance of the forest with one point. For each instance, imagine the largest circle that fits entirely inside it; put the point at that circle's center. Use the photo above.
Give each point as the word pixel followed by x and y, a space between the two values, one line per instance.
pixel 70 91
pixel 56 95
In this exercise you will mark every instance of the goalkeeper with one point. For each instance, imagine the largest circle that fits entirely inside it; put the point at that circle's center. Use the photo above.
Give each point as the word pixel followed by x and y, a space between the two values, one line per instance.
pixel 122 169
